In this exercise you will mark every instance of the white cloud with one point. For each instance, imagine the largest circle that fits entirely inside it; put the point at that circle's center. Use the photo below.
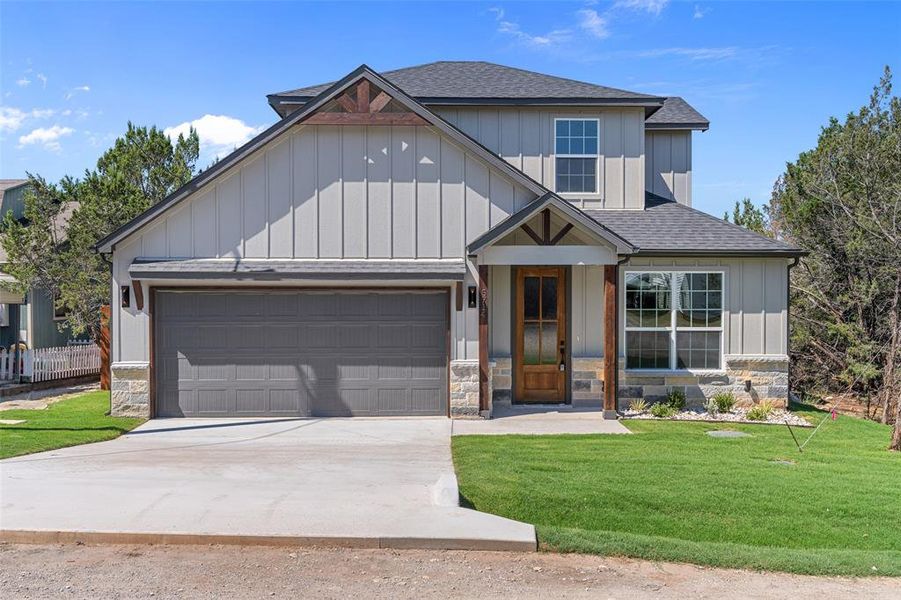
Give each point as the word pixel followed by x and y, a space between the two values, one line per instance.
pixel 48 137
pixel 43 79
pixel 23 82
pixel 76 90
pixel 219 134
pixel 11 118
pixel 654 7
pixel 707 54
pixel 593 23
pixel 513 29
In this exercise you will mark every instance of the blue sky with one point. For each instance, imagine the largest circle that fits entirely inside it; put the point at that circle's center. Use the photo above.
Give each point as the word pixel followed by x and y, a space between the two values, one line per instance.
pixel 768 75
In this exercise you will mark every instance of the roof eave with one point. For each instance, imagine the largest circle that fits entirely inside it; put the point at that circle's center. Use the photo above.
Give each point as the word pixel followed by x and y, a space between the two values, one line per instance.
pixel 782 253
pixel 677 126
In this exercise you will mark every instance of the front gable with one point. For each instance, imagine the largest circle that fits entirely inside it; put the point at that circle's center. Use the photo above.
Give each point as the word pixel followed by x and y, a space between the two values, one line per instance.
pixel 361 176
pixel 362 100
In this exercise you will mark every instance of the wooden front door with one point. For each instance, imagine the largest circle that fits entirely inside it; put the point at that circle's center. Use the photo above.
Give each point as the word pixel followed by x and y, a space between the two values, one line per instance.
pixel 540 335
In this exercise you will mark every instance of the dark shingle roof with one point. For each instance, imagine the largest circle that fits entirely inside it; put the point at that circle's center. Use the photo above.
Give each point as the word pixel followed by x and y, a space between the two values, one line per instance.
pixel 666 227
pixel 477 79
pixel 679 113
pixel 479 82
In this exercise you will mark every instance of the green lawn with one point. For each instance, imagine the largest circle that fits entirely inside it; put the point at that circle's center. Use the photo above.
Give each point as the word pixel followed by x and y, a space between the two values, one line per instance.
pixel 671 492
pixel 78 420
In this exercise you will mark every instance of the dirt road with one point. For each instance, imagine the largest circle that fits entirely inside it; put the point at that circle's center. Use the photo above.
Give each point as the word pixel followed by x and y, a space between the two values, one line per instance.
pixel 73 571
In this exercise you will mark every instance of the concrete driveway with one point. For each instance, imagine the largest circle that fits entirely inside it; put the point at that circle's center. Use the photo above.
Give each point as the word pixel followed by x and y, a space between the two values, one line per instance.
pixel 360 482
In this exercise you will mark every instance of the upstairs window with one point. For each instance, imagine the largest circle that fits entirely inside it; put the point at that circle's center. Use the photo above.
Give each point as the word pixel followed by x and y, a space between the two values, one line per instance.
pixel 576 149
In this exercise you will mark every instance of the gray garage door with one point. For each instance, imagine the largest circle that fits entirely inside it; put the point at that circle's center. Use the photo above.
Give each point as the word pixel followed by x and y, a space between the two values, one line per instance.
pixel 274 353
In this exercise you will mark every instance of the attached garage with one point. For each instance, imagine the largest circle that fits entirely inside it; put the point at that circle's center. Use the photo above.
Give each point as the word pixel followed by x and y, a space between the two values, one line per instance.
pixel 277 353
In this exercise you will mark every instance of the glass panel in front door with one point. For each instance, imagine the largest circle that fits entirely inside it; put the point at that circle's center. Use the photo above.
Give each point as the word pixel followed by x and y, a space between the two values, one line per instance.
pixel 540 320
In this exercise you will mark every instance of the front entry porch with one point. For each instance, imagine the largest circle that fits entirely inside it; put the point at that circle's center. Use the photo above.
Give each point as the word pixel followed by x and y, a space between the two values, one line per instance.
pixel 548 307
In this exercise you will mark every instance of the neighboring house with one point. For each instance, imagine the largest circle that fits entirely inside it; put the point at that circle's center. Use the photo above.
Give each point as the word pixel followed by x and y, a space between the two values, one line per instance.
pixel 32 318
pixel 438 240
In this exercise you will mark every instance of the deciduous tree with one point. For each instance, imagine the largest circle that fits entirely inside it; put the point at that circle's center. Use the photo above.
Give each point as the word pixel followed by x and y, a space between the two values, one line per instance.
pixel 53 249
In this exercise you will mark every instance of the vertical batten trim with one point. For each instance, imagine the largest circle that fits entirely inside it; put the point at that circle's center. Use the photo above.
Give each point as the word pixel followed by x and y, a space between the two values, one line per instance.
pixel 440 198
pixel 415 228
pixel 266 190
pixel 317 187
pixel 216 217
pixel 366 190
pixel 242 202
pixel 341 219
pixel 391 190
pixel 291 137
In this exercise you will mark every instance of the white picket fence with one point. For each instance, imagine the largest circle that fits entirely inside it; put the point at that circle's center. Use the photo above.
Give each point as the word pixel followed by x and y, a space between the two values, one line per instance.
pixel 45 364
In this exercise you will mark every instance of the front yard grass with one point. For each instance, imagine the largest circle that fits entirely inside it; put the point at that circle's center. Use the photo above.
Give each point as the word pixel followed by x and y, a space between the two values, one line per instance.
pixel 671 492
pixel 78 420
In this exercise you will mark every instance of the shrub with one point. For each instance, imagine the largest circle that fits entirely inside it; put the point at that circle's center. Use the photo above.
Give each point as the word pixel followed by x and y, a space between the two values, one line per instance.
pixel 663 410
pixel 676 399
pixel 638 405
pixel 760 412
pixel 712 407
pixel 725 401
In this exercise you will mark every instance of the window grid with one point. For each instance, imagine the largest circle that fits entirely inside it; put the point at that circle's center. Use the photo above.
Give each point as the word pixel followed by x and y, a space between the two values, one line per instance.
pixel 576 149
pixel 692 319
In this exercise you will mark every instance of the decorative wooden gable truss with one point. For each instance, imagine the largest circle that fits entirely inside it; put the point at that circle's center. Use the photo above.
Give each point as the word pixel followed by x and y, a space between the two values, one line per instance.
pixel 545 238
pixel 364 104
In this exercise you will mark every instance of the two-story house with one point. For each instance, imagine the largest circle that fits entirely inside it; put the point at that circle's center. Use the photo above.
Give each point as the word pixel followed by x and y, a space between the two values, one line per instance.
pixel 438 240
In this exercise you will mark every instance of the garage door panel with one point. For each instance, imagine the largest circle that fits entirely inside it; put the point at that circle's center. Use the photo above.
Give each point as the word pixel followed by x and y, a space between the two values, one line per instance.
pixel 281 336
pixel 393 367
pixel 249 337
pixel 214 371
pixel 300 353
pixel 393 305
pixel 394 401
pixel 427 306
pixel 426 400
pixel 427 335
pixel 354 336
pixel 427 367
pixel 313 305
pixel 282 305
pixel 319 336
pixel 356 305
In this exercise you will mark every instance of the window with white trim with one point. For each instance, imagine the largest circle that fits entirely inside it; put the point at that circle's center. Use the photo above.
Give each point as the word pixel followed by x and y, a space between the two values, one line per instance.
pixel 674 320
pixel 576 150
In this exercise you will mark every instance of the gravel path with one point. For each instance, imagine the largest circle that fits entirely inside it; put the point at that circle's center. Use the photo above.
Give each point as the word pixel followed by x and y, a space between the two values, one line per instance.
pixel 72 571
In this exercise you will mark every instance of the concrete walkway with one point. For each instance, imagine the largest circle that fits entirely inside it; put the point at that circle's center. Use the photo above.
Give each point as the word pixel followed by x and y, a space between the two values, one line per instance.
pixel 540 420
pixel 355 482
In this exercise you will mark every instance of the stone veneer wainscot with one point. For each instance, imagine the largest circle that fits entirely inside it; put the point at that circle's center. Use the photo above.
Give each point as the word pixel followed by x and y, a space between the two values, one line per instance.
pixel 768 375
pixel 130 383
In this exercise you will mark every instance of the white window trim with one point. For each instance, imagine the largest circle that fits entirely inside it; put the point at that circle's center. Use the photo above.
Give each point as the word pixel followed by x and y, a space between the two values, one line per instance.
pixel 673 329
pixel 596 156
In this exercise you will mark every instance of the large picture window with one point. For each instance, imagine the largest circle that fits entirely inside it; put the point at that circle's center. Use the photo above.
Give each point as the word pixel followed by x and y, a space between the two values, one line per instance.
pixel 576 149
pixel 674 320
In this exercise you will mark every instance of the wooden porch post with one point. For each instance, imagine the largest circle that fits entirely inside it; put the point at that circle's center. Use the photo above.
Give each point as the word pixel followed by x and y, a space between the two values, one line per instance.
pixel 483 337
pixel 611 347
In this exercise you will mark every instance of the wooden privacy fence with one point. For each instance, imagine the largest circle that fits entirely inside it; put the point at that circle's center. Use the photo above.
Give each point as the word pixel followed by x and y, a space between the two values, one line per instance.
pixel 46 364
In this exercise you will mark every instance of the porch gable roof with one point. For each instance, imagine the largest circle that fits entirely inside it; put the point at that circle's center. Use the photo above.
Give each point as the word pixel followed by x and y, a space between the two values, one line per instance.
pixel 570 212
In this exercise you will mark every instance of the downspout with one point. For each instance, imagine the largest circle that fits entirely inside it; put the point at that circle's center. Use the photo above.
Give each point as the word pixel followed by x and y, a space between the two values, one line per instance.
pixel 788 296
